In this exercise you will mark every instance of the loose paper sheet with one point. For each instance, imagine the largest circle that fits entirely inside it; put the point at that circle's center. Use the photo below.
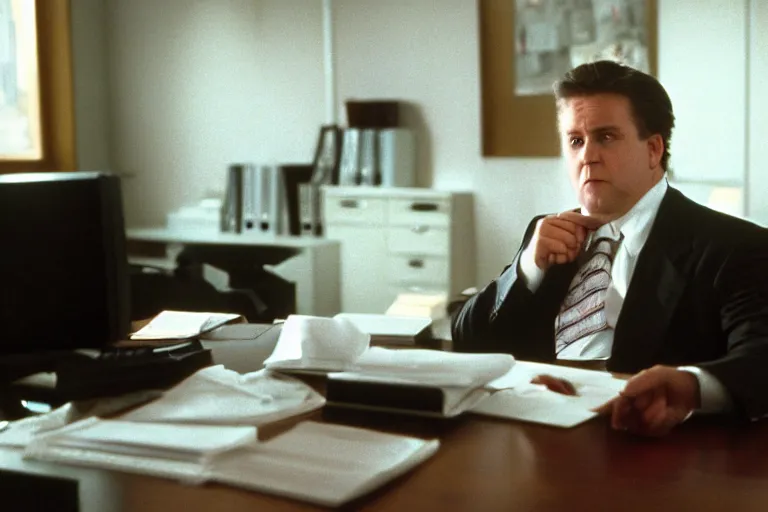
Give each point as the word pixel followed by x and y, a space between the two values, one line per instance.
pixel 517 398
pixel 181 325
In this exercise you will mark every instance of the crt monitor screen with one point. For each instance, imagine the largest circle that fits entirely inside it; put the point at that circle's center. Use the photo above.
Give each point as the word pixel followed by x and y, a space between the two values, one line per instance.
pixel 63 264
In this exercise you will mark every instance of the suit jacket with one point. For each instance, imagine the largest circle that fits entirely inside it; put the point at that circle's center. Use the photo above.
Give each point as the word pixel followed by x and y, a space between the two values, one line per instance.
pixel 698 295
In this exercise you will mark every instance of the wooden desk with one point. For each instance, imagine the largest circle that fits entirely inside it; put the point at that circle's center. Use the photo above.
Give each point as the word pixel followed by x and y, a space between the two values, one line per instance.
pixel 485 464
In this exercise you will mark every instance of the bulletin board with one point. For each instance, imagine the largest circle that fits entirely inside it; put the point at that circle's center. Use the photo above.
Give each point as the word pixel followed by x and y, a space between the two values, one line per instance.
pixel 517 110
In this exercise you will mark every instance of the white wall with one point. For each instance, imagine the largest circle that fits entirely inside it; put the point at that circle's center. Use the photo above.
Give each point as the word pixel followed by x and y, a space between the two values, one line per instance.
pixel 702 64
pixel 197 84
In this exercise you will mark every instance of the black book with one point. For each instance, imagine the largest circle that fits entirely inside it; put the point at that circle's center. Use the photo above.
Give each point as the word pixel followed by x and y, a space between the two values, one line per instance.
pixel 400 397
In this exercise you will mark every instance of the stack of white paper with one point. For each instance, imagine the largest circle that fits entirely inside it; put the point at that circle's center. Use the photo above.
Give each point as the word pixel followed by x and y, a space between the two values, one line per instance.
pixel 516 398
pixel 159 449
pixel 20 432
pixel 431 305
pixel 430 367
pixel 323 464
pixel 219 396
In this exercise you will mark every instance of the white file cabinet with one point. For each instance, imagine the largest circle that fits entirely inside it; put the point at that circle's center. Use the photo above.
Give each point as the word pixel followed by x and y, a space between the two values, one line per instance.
pixel 396 240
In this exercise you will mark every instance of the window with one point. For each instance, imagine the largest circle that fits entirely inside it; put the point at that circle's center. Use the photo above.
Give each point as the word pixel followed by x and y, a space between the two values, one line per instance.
pixel 36 110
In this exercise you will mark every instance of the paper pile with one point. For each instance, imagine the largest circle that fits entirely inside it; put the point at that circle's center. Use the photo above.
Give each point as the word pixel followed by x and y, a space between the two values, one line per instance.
pixel 327 465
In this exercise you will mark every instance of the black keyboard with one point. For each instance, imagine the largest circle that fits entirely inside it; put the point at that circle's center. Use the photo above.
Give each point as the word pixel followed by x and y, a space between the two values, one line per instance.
pixel 123 370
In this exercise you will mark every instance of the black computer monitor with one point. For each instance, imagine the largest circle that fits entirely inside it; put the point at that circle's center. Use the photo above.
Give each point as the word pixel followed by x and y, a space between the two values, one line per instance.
pixel 63 264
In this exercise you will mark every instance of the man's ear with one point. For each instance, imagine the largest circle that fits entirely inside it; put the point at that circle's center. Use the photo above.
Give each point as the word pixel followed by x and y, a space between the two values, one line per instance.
pixel 655 150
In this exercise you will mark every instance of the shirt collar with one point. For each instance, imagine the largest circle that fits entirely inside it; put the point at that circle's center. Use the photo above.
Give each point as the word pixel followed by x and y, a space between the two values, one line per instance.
pixel 635 225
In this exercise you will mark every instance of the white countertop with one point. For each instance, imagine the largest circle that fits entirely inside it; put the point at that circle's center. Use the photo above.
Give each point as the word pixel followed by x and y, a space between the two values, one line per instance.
pixel 200 236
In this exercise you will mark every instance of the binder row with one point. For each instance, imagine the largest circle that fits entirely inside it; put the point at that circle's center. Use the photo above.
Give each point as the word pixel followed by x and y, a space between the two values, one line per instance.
pixel 254 200
pixel 286 199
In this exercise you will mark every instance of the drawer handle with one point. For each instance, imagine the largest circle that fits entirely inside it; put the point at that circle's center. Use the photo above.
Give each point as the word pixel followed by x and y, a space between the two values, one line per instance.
pixel 424 207
pixel 420 229
pixel 349 203
pixel 416 263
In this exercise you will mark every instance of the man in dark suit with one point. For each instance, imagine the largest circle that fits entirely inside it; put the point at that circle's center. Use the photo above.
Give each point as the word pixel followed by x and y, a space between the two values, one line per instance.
pixel 639 277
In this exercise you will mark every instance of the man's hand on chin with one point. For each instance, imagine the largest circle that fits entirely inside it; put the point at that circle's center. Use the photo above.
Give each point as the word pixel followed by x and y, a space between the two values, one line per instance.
pixel 654 401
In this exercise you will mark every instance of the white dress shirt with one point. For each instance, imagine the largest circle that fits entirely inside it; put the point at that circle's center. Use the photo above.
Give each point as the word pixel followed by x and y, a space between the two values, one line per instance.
pixel 635 226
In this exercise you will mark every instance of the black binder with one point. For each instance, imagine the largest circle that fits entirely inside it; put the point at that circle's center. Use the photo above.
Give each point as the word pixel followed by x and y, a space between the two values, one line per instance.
pixel 397 397
pixel 376 395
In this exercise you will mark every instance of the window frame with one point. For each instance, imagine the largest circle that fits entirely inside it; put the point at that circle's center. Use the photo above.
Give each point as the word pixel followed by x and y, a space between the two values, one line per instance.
pixel 57 118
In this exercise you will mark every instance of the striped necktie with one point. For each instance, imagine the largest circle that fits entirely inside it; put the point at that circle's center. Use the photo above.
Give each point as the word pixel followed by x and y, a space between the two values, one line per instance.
pixel 583 310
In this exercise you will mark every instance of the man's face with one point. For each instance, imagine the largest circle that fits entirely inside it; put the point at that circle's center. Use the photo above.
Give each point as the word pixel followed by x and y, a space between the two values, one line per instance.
pixel 610 167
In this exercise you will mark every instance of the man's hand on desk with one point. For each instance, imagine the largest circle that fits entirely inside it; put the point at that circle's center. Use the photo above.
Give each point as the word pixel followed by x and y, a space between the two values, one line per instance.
pixel 654 401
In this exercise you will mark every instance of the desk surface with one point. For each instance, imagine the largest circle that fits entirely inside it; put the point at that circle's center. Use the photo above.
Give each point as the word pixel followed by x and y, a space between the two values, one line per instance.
pixel 202 236
pixel 485 464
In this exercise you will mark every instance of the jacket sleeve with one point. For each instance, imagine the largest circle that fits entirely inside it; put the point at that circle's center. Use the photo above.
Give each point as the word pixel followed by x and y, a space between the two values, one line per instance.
pixel 504 316
pixel 742 286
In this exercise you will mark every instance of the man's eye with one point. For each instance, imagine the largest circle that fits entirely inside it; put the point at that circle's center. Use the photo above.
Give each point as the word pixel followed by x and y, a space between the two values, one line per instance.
pixel 608 137
pixel 576 142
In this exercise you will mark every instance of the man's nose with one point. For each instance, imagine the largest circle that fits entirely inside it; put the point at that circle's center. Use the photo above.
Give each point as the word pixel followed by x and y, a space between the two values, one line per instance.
pixel 590 152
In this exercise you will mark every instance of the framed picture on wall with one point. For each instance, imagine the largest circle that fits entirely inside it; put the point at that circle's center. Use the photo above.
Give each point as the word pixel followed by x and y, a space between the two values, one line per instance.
pixel 526 45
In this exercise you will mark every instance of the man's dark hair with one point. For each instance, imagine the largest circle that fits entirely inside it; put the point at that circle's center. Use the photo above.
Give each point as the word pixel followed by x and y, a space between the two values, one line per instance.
pixel 650 103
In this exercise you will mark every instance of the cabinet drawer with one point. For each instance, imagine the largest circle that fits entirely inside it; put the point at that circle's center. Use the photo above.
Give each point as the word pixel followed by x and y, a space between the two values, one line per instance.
pixel 408 269
pixel 355 210
pixel 420 212
pixel 418 240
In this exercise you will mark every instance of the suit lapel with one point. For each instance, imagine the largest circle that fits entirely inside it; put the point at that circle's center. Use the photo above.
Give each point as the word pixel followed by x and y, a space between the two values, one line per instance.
pixel 656 287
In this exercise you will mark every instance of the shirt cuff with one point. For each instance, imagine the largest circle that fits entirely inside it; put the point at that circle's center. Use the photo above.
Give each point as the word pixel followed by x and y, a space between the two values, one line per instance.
pixel 532 274
pixel 713 396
